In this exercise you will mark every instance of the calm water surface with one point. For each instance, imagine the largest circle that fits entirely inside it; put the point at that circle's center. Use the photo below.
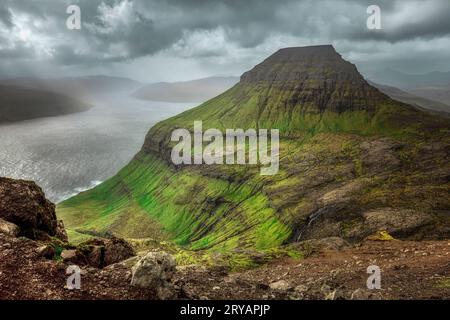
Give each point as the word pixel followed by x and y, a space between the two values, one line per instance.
pixel 68 154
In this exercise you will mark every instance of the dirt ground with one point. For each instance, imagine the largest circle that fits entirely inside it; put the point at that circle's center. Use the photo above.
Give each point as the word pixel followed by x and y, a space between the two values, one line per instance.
pixel 409 270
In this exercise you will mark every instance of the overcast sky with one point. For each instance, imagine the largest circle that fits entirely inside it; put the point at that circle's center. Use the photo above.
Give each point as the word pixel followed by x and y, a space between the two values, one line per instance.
pixel 169 40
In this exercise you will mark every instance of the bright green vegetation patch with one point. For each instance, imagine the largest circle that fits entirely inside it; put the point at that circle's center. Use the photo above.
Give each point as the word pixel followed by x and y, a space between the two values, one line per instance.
pixel 194 211
pixel 235 261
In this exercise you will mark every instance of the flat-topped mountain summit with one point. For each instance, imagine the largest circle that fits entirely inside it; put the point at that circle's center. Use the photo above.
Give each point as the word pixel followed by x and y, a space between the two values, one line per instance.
pixel 316 76
pixel 298 64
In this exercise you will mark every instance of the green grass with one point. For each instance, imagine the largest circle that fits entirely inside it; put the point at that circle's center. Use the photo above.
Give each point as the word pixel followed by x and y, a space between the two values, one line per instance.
pixel 231 213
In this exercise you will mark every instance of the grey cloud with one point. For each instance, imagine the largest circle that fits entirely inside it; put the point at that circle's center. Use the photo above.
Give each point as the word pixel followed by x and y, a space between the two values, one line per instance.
pixel 5 16
pixel 179 27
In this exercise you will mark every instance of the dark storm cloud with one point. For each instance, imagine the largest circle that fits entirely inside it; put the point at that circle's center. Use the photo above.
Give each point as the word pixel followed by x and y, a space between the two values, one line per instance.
pixel 115 31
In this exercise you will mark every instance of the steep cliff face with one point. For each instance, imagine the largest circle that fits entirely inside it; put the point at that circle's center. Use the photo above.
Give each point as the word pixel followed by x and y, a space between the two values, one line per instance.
pixel 352 161
pixel 315 77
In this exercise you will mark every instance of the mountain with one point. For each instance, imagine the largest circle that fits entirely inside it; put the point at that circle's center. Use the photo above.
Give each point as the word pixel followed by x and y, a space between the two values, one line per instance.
pixel 352 162
pixel 433 85
pixel 414 100
pixel 187 91
pixel 77 87
pixel 19 103
pixel 404 80
pixel 437 93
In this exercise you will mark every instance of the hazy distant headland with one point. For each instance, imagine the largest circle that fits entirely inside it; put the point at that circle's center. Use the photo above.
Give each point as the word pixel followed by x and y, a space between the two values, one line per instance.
pixel 20 103
pixel 198 90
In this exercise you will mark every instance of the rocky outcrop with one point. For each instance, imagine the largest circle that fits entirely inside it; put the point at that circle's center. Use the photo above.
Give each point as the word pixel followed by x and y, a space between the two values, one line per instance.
pixel 99 253
pixel 23 203
pixel 116 250
pixel 155 271
pixel 61 232
pixel 46 251
pixel 397 222
pixel 333 222
pixel 33 270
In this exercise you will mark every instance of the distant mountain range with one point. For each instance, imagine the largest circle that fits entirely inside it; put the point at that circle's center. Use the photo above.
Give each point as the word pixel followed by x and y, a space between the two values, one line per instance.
pixel 432 95
pixel 414 100
pixel 19 103
pixel 187 91
pixel 78 87
pixel 404 80
pixel 436 93
pixel 433 85
pixel 29 98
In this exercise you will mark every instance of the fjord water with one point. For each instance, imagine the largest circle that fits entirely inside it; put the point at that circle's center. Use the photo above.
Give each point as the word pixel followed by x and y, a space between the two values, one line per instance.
pixel 68 154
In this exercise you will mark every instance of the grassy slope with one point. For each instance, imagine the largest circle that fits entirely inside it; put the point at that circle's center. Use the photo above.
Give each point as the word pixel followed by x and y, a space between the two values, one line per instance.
pixel 181 202
pixel 227 207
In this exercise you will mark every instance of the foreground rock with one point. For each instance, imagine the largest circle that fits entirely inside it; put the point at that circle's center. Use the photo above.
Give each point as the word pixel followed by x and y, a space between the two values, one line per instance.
pixel 23 203
pixel 154 271
pixel 61 232
pixel 26 272
pixel 99 253
pixel 280 285
pixel 9 228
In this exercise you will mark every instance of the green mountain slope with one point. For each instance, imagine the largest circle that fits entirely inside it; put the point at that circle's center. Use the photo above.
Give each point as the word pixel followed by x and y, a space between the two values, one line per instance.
pixel 352 161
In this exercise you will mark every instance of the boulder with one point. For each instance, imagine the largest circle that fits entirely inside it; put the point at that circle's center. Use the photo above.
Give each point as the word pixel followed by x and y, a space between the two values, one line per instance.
pixel 100 253
pixel 46 251
pixel 9 228
pixel 69 256
pixel 117 250
pixel 280 285
pixel 24 204
pixel 154 271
